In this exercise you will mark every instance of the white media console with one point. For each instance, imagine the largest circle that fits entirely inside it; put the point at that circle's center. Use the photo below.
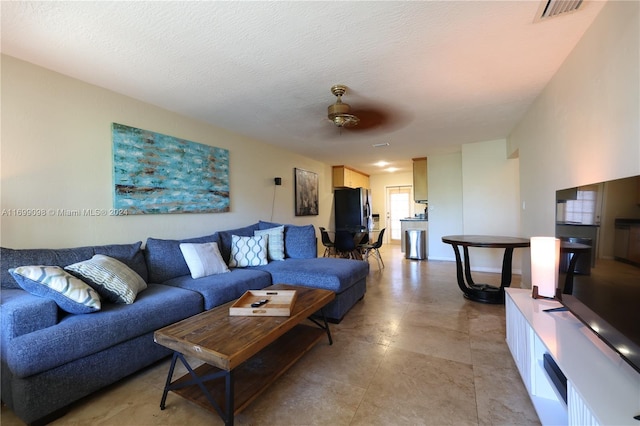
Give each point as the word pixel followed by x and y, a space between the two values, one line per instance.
pixel 601 388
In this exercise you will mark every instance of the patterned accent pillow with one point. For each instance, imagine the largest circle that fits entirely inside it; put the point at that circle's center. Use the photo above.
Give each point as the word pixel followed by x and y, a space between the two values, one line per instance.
pixel 203 259
pixel 275 245
pixel 111 278
pixel 248 251
pixel 70 294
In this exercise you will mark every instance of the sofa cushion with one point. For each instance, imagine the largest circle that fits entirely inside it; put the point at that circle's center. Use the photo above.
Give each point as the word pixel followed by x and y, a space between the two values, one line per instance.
pixel 223 288
pixel 24 313
pixel 323 272
pixel 203 259
pixel 164 257
pixel 248 251
pixel 275 245
pixel 224 240
pixel 112 279
pixel 12 258
pixel 129 254
pixel 299 241
pixel 77 336
pixel 52 282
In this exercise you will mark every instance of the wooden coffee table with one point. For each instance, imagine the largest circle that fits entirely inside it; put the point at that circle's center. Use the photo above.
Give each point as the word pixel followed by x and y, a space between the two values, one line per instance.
pixel 240 361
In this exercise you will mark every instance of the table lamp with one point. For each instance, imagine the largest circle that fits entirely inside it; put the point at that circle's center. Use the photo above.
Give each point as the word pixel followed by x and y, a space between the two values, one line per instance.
pixel 545 260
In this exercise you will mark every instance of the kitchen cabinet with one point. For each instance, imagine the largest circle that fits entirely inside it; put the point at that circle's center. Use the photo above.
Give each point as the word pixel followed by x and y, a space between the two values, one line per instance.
pixel 634 244
pixel 346 177
pixel 420 180
pixel 627 240
pixel 567 194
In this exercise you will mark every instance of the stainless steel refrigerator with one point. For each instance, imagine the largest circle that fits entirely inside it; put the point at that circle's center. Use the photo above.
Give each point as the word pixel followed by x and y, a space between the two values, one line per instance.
pixel 352 208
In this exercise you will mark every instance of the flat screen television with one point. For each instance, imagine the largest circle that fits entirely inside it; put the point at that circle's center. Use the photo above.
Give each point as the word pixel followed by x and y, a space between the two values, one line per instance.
pixel 606 288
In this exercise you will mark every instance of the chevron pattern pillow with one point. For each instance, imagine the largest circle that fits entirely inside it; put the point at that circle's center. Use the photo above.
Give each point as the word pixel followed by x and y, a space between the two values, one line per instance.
pixel 70 294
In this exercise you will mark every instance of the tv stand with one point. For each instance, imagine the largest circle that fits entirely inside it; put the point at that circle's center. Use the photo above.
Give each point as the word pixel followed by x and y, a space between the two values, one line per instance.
pixel 601 388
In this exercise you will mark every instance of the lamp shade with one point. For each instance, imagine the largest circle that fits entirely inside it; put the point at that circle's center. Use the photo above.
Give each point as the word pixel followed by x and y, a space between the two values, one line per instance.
pixel 545 259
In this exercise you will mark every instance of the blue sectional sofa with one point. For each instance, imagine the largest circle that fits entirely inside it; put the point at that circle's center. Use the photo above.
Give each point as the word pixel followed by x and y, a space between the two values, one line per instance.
pixel 51 358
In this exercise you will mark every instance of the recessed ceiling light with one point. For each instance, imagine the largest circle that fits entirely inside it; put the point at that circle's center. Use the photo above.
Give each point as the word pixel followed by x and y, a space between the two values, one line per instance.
pixel 381 164
pixel 380 145
pixel 392 169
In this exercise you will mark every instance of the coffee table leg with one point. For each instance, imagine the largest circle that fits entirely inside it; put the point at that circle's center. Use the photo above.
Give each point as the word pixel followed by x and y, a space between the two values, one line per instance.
pixel 228 421
pixel 324 326
pixel 168 382
pixel 228 414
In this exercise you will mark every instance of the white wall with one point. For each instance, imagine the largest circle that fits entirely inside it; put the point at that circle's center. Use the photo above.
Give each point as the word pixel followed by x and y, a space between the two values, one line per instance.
pixel 56 154
pixel 490 200
pixel 584 127
pixel 445 203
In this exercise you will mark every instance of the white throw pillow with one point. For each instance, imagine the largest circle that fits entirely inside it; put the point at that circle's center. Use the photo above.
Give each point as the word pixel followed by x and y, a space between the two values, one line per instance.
pixel 203 259
pixel 275 245
pixel 248 251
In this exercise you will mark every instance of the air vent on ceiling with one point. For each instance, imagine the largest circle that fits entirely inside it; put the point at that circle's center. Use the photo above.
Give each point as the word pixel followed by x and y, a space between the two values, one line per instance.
pixel 551 8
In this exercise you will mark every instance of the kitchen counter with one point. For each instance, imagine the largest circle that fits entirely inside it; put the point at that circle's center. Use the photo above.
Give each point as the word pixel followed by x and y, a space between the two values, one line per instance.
pixel 413 219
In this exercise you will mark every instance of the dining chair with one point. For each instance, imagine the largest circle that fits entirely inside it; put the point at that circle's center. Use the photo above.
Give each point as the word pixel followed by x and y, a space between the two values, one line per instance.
pixel 372 248
pixel 329 246
pixel 345 245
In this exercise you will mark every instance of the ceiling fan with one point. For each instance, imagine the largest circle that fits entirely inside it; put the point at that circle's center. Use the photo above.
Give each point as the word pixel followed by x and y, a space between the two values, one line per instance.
pixel 364 117
pixel 340 113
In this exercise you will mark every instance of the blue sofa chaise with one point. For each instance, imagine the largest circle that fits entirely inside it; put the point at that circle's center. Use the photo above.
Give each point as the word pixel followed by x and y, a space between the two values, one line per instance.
pixel 51 358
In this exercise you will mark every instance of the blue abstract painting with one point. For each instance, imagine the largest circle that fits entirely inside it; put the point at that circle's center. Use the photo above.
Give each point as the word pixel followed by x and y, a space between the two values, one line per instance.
pixel 156 173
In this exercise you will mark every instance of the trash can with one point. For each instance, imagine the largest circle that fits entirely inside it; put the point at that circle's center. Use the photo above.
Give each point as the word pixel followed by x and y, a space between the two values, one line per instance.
pixel 583 265
pixel 415 244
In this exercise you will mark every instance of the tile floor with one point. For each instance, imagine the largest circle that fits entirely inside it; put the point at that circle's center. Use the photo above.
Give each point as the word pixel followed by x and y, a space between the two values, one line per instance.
pixel 412 352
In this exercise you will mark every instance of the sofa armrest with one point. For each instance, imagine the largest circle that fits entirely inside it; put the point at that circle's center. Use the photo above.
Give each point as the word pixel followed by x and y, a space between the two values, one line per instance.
pixel 22 313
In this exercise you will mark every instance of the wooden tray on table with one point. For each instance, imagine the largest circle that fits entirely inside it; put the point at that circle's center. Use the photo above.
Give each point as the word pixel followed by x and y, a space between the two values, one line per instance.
pixel 278 303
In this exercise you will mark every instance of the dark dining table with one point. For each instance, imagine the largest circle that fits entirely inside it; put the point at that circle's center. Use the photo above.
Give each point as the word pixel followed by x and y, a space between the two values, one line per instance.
pixel 347 242
pixel 484 293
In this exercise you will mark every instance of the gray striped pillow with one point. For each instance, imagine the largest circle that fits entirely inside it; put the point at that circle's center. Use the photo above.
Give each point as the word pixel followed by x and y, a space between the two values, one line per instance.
pixel 111 278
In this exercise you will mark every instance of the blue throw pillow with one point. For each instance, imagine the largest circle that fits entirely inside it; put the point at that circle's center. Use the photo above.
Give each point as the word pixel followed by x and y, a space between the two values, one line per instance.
pixel 299 241
pixel 52 282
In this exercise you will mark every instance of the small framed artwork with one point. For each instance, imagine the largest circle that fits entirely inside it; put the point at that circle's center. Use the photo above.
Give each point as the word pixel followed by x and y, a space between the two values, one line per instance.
pixel 306 188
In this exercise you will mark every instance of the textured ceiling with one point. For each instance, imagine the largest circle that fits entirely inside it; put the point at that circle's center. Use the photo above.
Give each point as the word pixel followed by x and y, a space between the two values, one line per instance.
pixel 440 73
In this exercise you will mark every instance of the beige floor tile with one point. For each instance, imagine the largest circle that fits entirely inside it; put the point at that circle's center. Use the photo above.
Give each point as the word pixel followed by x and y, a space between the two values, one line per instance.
pixel 350 361
pixel 501 397
pixel 412 388
pixel 414 351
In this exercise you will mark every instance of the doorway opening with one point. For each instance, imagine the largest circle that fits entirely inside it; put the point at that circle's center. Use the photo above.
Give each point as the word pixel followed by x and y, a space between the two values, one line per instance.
pixel 398 207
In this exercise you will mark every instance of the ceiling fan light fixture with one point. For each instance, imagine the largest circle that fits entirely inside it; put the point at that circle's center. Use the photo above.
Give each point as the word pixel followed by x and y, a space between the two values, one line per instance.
pixel 340 113
pixel 344 120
